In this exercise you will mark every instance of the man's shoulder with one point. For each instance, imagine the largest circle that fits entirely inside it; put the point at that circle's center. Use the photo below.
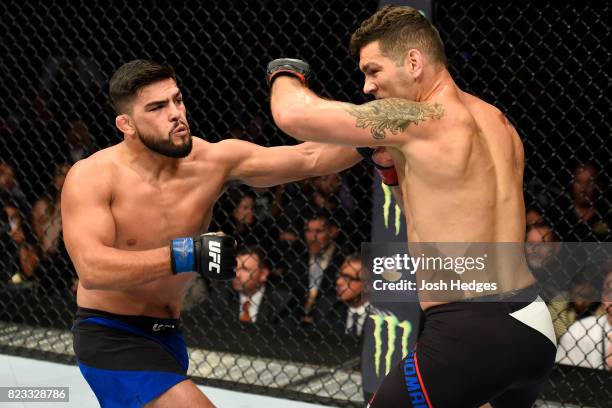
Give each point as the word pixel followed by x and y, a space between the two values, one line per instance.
pixel 100 164
pixel 226 151
pixel 473 108
pixel 589 325
pixel 457 113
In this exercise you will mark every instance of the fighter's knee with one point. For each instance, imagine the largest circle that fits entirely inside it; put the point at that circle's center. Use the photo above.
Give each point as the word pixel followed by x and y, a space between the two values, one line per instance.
pixel 182 395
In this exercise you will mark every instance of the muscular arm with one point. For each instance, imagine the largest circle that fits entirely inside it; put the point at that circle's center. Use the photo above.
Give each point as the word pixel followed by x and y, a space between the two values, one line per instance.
pixel 300 113
pixel 268 166
pixel 89 235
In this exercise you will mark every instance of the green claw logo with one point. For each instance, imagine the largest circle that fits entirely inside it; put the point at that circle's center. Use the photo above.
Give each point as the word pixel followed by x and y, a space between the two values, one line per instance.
pixel 392 323
pixel 387 207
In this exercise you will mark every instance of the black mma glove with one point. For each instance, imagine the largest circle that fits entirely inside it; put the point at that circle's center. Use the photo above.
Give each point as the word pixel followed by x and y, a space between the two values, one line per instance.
pixel 211 255
pixel 288 66
pixel 388 174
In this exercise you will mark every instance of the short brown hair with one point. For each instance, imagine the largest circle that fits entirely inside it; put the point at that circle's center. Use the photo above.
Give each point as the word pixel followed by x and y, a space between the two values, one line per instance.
pixel 398 29
pixel 252 250
pixel 133 76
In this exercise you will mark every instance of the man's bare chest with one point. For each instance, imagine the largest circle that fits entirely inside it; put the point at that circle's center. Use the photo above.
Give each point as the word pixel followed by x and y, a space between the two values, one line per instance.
pixel 148 216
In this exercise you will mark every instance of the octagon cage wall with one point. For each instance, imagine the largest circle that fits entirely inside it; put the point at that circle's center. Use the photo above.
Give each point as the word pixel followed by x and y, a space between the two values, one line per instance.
pixel 545 65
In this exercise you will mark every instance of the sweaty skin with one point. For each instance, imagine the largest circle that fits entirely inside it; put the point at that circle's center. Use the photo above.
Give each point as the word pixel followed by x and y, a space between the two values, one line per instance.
pixel 123 205
pixel 459 161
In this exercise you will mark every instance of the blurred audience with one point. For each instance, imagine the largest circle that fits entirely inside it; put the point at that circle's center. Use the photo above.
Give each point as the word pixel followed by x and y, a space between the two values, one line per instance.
pixel 79 141
pixel 248 299
pixel 19 260
pixel 55 269
pixel 588 215
pixel 588 342
pixel 580 301
pixel 349 312
pixel 312 276
pixel 10 190
pixel 533 218
pixel 324 193
pixel 268 203
pixel 543 254
pixel 243 222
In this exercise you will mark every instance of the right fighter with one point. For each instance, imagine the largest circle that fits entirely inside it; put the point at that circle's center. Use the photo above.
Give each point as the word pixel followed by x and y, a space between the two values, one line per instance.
pixel 459 165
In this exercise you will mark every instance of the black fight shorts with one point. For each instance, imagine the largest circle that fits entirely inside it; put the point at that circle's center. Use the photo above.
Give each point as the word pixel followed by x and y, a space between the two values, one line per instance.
pixel 471 353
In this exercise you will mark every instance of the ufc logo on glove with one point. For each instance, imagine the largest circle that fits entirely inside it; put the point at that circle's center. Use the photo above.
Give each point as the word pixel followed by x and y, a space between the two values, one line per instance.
pixel 214 252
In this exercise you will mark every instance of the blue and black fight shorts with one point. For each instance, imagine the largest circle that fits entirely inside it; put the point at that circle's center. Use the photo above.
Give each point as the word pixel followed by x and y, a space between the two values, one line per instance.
pixel 473 352
pixel 128 361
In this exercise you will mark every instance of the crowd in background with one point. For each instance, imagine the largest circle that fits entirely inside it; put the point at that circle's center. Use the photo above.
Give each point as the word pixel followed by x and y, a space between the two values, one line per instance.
pixel 298 243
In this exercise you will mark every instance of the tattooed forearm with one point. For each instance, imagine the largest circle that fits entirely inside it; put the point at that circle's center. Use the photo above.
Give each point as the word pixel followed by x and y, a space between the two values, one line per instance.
pixel 392 114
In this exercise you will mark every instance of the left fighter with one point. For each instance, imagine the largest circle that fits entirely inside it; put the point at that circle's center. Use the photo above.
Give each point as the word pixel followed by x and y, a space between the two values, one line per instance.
pixel 135 217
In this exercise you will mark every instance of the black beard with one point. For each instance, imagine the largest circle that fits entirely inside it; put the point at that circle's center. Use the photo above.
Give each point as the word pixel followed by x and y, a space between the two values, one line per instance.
pixel 165 147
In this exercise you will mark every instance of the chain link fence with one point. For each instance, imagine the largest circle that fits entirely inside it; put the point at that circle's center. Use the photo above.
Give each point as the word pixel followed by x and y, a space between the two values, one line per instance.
pixel 546 65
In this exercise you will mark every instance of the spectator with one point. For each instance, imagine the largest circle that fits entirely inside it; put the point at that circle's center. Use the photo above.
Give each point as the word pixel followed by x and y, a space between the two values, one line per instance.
pixel 533 217
pixel 349 313
pixel 268 202
pixel 251 301
pixel 243 215
pixel 79 140
pixel 578 302
pixel 312 278
pixel 41 128
pixel 588 342
pixel 329 193
pixel 19 260
pixel 543 253
pixel 55 269
pixel 10 190
pixel 244 225
pixel 588 218
pixel 324 193
pixel 66 64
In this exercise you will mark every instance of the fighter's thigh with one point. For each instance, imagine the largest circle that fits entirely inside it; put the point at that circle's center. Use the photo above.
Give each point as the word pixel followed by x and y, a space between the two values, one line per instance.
pixel 182 395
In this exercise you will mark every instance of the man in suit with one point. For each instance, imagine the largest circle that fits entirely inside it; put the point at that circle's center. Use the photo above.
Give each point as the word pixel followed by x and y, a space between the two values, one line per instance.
pixel 255 302
pixel 350 311
pixel 312 278
pixel 248 299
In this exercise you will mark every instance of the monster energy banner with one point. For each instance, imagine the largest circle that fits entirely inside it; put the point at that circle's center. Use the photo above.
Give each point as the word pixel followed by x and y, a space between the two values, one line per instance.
pixel 391 329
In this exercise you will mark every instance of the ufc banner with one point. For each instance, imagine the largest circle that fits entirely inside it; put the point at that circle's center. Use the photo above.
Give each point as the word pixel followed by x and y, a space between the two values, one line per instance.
pixel 391 329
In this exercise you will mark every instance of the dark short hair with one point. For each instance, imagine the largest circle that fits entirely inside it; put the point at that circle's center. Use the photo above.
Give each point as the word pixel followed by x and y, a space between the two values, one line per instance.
pixel 321 215
pixel 353 257
pixel 589 166
pixel 398 29
pixel 254 250
pixel 131 77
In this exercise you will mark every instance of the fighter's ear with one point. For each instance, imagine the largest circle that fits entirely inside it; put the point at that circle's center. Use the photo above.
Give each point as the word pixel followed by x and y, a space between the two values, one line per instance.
pixel 125 124
pixel 414 61
pixel 334 231
pixel 264 273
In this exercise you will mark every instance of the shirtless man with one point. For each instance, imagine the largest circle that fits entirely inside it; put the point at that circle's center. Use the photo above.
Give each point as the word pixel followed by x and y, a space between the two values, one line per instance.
pixel 125 210
pixel 459 166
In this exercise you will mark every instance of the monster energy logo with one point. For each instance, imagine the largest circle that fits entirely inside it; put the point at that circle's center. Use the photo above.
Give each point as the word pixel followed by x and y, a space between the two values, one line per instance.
pixel 387 206
pixel 392 323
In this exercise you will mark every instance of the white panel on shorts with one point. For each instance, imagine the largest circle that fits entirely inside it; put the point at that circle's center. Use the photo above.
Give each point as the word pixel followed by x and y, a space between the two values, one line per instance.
pixel 537 316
